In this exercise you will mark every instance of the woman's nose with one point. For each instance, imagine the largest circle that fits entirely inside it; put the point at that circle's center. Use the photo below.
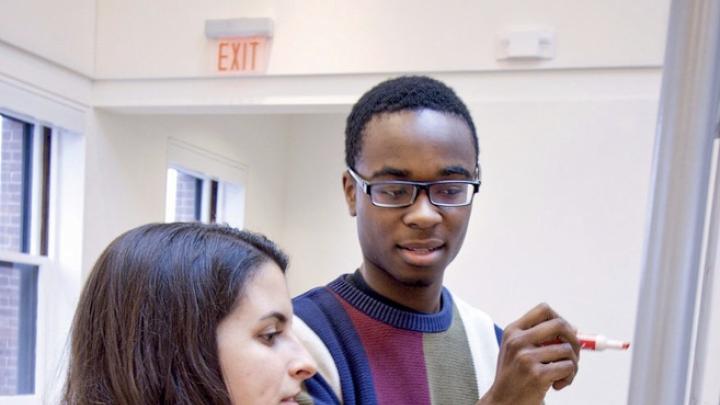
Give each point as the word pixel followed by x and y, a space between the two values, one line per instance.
pixel 302 365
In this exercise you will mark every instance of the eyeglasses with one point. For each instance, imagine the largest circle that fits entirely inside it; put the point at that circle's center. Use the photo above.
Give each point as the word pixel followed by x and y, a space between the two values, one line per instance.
pixel 400 193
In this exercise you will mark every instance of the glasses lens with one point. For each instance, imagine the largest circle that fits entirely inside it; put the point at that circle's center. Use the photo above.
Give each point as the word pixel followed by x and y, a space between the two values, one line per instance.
pixel 392 194
pixel 451 193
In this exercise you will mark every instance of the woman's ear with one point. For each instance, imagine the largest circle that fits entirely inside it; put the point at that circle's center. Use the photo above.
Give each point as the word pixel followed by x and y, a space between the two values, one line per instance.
pixel 348 184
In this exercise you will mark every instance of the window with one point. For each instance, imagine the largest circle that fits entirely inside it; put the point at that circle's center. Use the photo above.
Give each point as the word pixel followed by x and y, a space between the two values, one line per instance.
pixel 193 197
pixel 15 179
pixel 24 187
pixel 203 186
pixel 41 249
pixel 184 196
pixel 230 205
pixel 18 314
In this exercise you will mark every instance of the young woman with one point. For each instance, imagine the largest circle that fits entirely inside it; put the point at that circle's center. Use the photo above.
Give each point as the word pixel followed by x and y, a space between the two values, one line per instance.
pixel 186 313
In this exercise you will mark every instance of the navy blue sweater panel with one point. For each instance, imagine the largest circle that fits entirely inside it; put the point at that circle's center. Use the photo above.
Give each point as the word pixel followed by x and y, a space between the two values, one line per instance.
pixel 498 334
pixel 322 312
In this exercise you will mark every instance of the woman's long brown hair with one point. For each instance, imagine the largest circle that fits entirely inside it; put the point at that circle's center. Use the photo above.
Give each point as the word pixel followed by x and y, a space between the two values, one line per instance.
pixel 145 327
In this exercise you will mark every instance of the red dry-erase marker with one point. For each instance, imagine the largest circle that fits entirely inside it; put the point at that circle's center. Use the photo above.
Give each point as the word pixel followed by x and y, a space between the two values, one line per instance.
pixel 596 342
pixel 600 342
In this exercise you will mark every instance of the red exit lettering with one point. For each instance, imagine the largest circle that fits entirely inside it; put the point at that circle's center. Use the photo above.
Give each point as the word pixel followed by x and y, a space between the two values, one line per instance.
pixel 240 54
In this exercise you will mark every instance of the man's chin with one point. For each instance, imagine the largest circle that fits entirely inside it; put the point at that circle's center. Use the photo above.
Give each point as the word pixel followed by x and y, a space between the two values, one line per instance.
pixel 418 277
pixel 417 283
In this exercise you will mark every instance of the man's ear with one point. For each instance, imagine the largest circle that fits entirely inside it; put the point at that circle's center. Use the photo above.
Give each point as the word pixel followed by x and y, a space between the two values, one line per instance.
pixel 349 185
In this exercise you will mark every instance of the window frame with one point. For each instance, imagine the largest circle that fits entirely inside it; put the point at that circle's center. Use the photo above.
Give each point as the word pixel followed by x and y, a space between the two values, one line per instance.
pixel 221 176
pixel 40 290
pixel 58 259
pixel 62 268
pixel 29 255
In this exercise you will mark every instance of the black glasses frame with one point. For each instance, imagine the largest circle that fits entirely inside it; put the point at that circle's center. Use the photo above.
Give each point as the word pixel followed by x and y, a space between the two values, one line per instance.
pixel 417 185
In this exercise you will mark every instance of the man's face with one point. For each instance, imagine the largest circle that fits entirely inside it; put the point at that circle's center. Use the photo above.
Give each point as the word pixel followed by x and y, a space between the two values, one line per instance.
pixel 411 245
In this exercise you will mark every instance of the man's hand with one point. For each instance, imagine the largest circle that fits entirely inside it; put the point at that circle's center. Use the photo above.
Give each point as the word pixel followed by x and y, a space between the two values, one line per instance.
pixel 528 365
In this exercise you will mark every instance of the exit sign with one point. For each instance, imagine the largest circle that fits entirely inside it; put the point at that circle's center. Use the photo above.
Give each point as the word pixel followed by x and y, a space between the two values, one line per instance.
pixel 242 55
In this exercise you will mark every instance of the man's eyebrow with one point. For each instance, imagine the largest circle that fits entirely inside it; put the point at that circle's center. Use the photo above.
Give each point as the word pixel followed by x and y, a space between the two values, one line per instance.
pixel 277 315
pixel 390 171
pixel 452 170
pixel 444 172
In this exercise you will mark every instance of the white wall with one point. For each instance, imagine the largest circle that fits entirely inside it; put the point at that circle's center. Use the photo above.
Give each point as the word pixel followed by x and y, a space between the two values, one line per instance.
pixel 36 88
pixel 60 31
pixel 565 151
pixel 560 216
pixel 561 219
pixel 331 37
pixel 319 235
pixel 138 39
pixel 127 162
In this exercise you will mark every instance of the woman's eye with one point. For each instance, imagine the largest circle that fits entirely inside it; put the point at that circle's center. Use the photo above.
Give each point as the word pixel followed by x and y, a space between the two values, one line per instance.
pixel 269 337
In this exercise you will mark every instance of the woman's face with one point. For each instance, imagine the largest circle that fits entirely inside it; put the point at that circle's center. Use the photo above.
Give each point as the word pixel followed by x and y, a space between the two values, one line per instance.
pixel 262 361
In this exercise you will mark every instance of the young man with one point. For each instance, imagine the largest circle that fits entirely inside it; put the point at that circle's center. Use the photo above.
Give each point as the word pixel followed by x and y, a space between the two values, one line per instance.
pixel 390 333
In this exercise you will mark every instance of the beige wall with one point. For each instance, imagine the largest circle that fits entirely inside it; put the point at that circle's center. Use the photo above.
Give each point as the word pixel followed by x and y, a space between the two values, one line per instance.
pixel 319 234
pixel 565 152
pixel 127 163
pixel 137 38
pixel 112 39
pixel 560 217
pixel 60 31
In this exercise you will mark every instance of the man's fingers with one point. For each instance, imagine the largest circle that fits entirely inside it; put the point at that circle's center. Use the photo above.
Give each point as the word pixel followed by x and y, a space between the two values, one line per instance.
pixel 559 372
pixel 554 330
pixel 556 352
pixel 551 332
pixel 541 313
pixel 540 350
pixel 560 384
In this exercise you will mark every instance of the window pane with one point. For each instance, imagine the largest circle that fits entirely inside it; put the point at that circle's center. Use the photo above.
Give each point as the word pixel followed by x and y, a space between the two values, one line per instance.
pixel 231 205
pixel 188 197
pixel 14 185
pixel 18 302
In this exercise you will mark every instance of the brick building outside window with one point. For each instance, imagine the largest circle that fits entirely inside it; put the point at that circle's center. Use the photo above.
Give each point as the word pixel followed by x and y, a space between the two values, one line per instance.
pixel 18 281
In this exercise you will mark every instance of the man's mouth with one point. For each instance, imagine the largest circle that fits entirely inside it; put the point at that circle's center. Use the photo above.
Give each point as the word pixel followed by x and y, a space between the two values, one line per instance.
pixel 420 246
pixel 421 250
pixel 421 253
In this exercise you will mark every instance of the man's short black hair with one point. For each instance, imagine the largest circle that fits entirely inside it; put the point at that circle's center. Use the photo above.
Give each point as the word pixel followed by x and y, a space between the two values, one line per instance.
pixel 399 94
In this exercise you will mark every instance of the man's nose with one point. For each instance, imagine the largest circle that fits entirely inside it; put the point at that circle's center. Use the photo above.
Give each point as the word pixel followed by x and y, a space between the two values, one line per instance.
pixel 422 213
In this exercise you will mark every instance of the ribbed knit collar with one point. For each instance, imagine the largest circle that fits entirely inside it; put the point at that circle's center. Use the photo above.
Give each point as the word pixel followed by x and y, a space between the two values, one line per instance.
pixel 415 321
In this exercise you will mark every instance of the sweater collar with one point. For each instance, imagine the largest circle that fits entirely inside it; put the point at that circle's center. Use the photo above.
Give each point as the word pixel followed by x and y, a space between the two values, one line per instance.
pixel 385 312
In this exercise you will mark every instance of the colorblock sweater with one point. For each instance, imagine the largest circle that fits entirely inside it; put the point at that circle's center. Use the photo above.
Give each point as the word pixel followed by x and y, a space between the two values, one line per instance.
pixel 370 351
